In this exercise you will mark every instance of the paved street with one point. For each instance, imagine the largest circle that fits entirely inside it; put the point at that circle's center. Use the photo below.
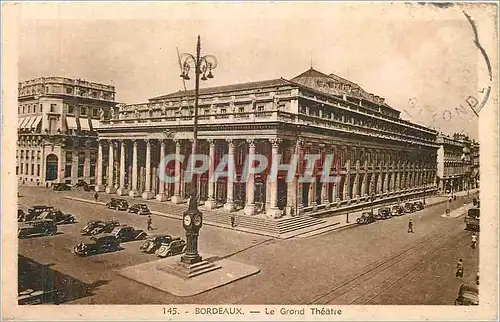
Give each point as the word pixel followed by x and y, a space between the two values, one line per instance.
pixel 379 263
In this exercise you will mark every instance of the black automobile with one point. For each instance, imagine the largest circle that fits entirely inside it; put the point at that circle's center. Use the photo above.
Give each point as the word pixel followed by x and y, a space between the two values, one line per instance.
pixel 366 218
pixel 153 243
pixel 384 213
pixel 117 204
pixel 418 205
pixel 128 233
pixel 57 216
pixel 140 209
pixel 467 295
pixel 86 186
pixel 61 187
pixel 409 207
pixel 29 214
pixel 97 244
pixel 36 228
pixel 99 227
pixel 398 210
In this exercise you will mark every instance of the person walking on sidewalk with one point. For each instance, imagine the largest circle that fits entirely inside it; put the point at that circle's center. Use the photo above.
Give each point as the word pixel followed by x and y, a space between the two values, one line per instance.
pixel 233 221
pixel 96 196
pixel 410 226
pixel 150 221
pixel 460 268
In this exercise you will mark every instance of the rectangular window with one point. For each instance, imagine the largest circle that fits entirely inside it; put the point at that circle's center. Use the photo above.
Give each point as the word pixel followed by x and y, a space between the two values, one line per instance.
pixel 69 90
pixel 21 170
pixel 38 170
pixel 23 109
pixel 71 109
pixel 206 111
pixel 22 154
pixel 260 108
pixel 41 108
pixel 241 110
pixel 223 111
pixel 94 112
pixel 69 155
pixel 83 111
pixel 53 107
pixel 32 169
pixel 26 169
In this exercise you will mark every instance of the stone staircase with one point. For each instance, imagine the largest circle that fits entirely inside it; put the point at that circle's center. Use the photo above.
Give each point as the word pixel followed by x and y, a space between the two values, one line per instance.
pixel 256 223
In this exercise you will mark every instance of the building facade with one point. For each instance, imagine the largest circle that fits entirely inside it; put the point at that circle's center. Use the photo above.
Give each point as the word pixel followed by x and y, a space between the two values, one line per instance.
pixel 457 163
pixel 377 154
pixel 57 122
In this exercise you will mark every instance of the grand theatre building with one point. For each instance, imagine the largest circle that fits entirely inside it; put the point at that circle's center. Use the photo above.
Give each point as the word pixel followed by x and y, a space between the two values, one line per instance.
pixel 378 156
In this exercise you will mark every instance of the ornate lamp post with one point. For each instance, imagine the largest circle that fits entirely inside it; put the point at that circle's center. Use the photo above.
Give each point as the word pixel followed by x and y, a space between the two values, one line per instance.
pixel 193 217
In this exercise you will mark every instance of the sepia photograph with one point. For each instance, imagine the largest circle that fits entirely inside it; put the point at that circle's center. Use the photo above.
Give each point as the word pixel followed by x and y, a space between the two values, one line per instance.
pixel 250 161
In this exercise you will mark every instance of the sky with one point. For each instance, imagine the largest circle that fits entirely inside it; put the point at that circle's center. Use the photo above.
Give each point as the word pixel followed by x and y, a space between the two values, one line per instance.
pixel 420 58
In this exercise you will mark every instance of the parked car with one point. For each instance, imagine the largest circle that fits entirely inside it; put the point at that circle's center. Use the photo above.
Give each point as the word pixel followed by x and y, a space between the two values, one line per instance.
pixel 409 207
pixel 366 218
pixel 117 204
pixel 61 187
pixel 99 227
pixel 57 216
pixel 97 244
pixel 398 210
pixel 468 294
pixel 153 243
pixel 36 228
pixel 385 213
pixel 173 248
pixel 29 214
pixel 418 205
pixel 86 186
pixel 140 209
pixel 128 233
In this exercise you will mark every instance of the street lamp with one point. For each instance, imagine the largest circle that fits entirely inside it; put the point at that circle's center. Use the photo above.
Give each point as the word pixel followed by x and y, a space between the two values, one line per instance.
pixel 193 217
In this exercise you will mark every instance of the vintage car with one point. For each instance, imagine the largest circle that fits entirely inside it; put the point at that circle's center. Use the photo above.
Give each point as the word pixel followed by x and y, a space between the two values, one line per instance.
pixel 384 213
pixel 468 294
pixel 97 244
pixel 36 228
pixel 366 218
pixel 418 205
pixel 117 204
pixel 99 227
pixel 409 207
pixel 128 233
pixel 57 216
pixel 173 248
pixel 29 214
pixel 140 209
pixel 398 210
pixel 86 186
pixel 61 187
pixel 153 243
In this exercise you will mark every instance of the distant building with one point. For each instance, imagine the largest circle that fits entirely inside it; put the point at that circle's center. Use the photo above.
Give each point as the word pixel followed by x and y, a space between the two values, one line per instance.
pixel 57 121
pixel 457 163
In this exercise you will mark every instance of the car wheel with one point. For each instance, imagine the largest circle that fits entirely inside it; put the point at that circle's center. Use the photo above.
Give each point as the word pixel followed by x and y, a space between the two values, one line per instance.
pixel 169 254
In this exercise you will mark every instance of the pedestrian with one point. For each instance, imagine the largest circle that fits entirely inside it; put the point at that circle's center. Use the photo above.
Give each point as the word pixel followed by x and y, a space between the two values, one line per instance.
pixel 460 268
pixel 46 185
pixel 96 196
pixel 232 220
pixel 410 226
pixel 150 221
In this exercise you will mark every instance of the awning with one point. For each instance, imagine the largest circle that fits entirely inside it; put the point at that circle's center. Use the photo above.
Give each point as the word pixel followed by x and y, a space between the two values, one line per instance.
pixel 36 121
pixel 84 124
pixel 71 121
pixel 20 120
pixel 95 124
pixel 27 122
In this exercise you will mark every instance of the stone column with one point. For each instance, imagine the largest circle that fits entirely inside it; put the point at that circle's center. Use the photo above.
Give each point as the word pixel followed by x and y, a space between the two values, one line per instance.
pixel 273 211
pixel 134 192
pixel 355 185
pixel 379 181
pixel 147 194
pixel 211 202
pixel 364 182
pixel 177 198
pixel 86 167
pixel 122 190
pixel 99 186
pixel 110 188
pixel 229 205
pixel 386 181
pixel 249 204
pixel 74 164
pixel 161 196
pixel 292 186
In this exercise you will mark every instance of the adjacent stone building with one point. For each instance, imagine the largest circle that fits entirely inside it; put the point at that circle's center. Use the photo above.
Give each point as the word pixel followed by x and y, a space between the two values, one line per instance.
pixel 57 122
pixel 378 154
